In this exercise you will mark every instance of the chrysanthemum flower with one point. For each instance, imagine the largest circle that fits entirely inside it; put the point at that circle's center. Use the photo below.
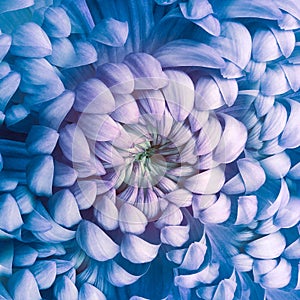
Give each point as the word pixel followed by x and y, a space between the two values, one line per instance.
pixel 149 149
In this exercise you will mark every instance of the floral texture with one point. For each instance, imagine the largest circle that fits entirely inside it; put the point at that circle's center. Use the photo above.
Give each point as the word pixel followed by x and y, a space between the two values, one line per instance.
pixel 149 149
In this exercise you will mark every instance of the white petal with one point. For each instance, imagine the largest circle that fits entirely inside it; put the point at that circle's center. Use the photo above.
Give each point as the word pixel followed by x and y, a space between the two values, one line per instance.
pixel 179 94
pixel 171 215
pixel 137 250
pixel 207 182
pixel 90 292
pixel 175 236
pixel 243 262
pixel 267 247
pixel 131 219
pixel 247 208
pixel 95 242
pixel 180 197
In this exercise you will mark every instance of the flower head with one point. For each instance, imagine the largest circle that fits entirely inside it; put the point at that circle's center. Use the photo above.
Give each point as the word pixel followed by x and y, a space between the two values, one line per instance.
pixel 149 149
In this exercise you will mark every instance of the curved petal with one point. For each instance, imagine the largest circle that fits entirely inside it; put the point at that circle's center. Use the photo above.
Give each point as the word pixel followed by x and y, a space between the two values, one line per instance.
pixel 247 209
pixel 175 236
pixel 95 242
pixel 90 292
pixel 65 288
pixel 44 273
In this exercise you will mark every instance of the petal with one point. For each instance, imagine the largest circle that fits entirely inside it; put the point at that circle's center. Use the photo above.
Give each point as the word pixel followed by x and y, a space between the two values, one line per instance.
pixel 209 24
pixel 30 40
pixel 137 250
pixel 179 94
pixel 64 176
pixel 195 9
pixel 279 277
pixel 106 213
pixel 99 127
pixel 95 242
pixel 293 250
pixel 110 32
pixel 65 288
pixel 180 197
pixel 6 259
pixel 290 137
pixel 147 71
pixel 22 285
pixel 55 112
pixel 24 255
pixel 85 192
pixel 276 166
pixel 218 212
pixel 36 222
pixel 267 247
pixel 207 182
pixel 90 292
pixel 127 110
pixel 117 77
pixel 209 136
pixel 8 86
pixel 44 273
pixel 274 122
pixel 188 53
pixel 73 144
pixel 243 262
pixel 56 22
pixel 93 96
pixel 175 236
pixel 41 140
pixel 171 215
pixel 252 174
pixel 63 208
pixel 247 209
pixel 232 141
pixel 131 219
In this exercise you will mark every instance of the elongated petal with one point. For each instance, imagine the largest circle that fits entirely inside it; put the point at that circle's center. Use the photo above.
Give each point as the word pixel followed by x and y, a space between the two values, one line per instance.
pixel 94 242
pixel 8 86
pixel 93 96
pixel 267 247
pixel 65 288
pixel 207 182
pixel 188 53
pixel 44 273
pixel 137 250
pixel 30 40
pixel 110 32
pixel 90 292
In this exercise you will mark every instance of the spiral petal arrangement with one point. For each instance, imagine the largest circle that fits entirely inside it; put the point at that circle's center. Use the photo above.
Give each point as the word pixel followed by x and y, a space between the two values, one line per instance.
pixel 149 149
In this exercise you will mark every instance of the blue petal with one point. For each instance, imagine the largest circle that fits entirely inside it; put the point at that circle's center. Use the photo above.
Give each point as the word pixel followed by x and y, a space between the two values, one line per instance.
pixel 10 217
pixel 64 288
pixel 63 208
pixel 8 86
pixel 64 176
pixel 85 193
pixel 29 40
pixel 22 285
pixel 15 5
pixel 188 53
pixel 93 96
pixel 41 140
pixel 4 295
pixel 267 247
pixel 24 255
pixel 40 175
pixel 56 22
pixel 25 199
pixel 44 273
pixel 36 222
pixel 117 77
pixel 6 258
pixel 95 242
pixel 55 111
pixel 90 292
pixel 5 42
pixel 73 144
pixel 110 32
pixel 209 24
pixel 195 9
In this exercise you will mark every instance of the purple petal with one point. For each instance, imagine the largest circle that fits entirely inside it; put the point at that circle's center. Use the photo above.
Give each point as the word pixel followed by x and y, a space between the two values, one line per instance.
pixel 147 71
pixel 175 236
pixel 180 197
pixel 117 77
pixel 85 192
pixel 247 209
pixel 110 32
pixel 93 96
pixel 95 242
pixel 64 176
